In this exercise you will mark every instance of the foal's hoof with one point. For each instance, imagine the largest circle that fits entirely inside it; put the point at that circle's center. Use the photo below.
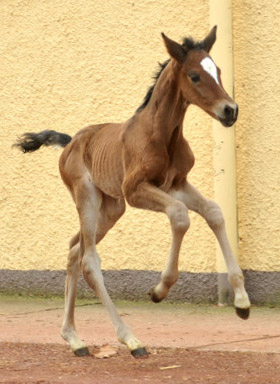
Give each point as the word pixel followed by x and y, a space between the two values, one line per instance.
pixel 154 297
pixel 140 352
pixel 82 352
pixel 243 313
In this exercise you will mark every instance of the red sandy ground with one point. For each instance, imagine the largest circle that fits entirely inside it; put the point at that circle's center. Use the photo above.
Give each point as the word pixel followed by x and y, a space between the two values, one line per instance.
pixel 187 344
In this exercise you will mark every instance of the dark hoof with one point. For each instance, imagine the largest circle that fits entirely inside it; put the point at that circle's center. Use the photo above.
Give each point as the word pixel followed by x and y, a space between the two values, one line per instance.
pixel 154 296
pixel 243 313
pixel 82 352
pixel 140 352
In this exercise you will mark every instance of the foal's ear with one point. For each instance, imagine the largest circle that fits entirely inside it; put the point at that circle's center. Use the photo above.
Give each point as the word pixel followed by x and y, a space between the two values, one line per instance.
pixel 210 39
pixel 174 49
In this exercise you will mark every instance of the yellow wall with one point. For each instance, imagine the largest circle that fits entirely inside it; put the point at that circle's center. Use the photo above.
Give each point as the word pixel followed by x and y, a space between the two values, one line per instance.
pixel 257 89
pixel 67 64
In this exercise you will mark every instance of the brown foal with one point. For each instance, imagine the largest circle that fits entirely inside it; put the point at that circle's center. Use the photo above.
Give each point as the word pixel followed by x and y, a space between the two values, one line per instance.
pixel 144 161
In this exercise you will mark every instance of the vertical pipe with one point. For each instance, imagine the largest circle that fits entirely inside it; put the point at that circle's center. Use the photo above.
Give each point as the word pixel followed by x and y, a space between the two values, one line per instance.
pixel 224 140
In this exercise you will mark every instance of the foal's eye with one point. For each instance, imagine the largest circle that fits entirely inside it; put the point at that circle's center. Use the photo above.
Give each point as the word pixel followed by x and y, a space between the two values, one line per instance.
pixel 195 78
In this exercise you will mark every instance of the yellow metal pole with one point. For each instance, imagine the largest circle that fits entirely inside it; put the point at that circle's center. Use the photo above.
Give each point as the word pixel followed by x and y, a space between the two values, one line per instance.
pixel 224 139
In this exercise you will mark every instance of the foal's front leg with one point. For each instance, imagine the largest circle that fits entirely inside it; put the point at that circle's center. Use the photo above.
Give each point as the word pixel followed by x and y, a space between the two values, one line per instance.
pixel 214 217
pixel 169 275
pixel 147 196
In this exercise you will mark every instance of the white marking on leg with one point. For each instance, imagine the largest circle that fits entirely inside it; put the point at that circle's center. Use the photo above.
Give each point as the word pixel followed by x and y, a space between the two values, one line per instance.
pixel 241 299
pixel 210 67
pixel 70 335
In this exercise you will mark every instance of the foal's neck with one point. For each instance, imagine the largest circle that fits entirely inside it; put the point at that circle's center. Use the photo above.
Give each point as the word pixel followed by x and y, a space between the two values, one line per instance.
pixel 167 105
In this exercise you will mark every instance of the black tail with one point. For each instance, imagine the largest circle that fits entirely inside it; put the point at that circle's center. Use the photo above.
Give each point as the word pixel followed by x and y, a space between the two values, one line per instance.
pixel 30 142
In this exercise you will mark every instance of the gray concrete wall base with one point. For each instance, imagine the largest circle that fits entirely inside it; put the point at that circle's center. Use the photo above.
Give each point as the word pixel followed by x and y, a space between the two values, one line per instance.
pixel 263 287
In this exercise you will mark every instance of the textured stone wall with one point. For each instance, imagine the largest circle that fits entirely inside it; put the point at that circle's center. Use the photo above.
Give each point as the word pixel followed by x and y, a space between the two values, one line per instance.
pixel 67 64
pixel 257 89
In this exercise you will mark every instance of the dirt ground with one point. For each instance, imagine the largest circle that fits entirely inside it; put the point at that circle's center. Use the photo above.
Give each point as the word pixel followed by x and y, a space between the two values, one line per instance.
pixel 186 344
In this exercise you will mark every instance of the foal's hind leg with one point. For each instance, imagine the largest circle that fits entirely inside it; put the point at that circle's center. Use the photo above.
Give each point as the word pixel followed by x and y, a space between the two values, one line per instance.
pixel 214 217
pixel 90 207
pixel 68 331
pixel 111 210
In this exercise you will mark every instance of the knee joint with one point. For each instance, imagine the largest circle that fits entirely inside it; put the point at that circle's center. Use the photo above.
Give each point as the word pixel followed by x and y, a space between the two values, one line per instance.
pixel 179 217
pixel 213 215
pixel 91 264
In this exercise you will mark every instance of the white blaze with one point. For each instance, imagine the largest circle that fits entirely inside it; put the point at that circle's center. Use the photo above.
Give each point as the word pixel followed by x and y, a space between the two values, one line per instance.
pixel 209 66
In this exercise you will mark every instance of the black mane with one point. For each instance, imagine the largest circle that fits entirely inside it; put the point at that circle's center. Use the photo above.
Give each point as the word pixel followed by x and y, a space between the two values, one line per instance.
pixel 150 90
pixel 188 44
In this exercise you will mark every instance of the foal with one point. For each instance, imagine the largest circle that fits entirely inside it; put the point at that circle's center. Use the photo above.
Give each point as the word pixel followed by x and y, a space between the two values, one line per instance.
pixel 144 161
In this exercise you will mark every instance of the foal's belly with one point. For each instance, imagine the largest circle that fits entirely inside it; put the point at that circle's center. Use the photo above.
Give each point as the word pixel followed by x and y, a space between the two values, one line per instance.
pixel 110 184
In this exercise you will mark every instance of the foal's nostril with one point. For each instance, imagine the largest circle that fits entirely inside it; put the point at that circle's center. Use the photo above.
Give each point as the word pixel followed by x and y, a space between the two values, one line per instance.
pixel 229 112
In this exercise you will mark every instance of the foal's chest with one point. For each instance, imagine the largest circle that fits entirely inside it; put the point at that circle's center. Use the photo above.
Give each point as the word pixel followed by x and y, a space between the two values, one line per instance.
pixel 178 165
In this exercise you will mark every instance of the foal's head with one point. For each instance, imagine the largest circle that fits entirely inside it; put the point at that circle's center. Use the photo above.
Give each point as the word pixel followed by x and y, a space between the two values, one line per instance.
pixel 200 78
